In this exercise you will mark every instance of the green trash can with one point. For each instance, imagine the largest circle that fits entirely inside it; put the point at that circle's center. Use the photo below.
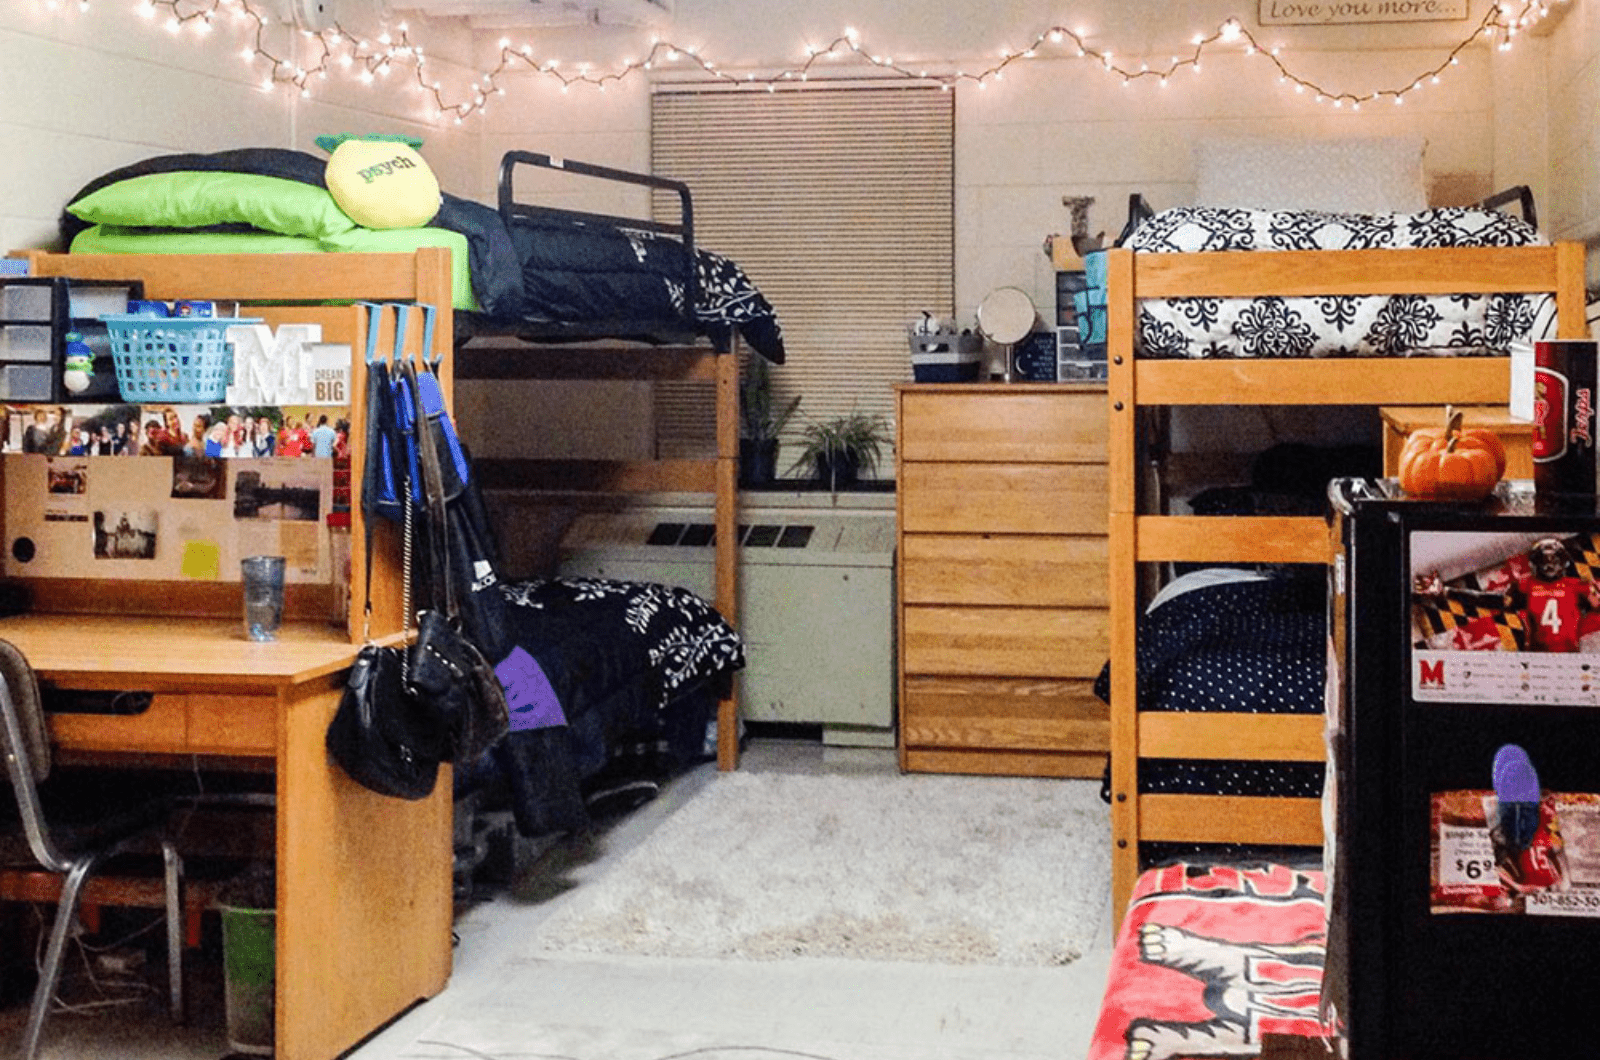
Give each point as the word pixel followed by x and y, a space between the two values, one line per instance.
pixel 248 958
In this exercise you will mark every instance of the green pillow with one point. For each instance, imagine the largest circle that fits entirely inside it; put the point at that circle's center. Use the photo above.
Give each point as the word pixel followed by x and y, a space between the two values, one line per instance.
pixel 406 241
pixel 109 239
pixel 189 199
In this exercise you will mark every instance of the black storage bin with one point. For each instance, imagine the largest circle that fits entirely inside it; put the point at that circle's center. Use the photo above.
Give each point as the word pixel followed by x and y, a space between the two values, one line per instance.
pixel 1069 284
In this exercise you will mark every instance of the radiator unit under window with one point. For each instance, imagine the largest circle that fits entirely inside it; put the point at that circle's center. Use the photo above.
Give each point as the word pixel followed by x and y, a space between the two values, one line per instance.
pixel 816 601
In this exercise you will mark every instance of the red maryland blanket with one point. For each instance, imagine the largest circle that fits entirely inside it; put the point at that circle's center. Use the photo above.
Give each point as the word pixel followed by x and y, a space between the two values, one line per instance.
pixel 1210 958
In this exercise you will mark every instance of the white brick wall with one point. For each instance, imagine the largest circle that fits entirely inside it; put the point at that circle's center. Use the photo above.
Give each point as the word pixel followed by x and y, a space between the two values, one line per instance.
pixel 1573 70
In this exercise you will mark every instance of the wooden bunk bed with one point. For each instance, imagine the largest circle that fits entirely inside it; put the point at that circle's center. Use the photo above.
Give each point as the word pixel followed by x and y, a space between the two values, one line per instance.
pixel 551 293
pixel 1138 537
pixel 544 795
pixel 676 351
pixel 322 288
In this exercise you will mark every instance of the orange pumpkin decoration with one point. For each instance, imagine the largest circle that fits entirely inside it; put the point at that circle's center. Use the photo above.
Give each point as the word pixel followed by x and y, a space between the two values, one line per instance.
pixel 1456 463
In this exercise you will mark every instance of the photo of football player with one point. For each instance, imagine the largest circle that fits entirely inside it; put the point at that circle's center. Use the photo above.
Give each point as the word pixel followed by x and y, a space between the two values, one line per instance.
pixel 1558 607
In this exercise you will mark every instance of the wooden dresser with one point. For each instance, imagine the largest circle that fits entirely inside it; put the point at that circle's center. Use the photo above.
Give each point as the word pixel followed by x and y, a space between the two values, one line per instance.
pixel 1002 578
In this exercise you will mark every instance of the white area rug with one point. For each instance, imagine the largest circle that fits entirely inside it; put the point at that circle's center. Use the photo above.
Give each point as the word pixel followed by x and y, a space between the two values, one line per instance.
pixel 772 866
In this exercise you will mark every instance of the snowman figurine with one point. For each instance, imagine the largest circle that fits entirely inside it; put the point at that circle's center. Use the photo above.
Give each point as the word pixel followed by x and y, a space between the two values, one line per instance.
pixel 78 364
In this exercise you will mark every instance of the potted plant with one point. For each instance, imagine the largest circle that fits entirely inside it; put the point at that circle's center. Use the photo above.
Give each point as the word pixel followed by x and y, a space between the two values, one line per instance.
pixel 761 418
pixel 839 451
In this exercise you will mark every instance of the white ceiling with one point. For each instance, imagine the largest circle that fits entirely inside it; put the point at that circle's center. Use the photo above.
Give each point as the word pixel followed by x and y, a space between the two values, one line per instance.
pixel 492 13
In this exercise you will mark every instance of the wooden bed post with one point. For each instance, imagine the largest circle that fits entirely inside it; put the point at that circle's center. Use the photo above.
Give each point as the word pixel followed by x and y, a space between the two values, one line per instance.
pixel 1122 567
pixel 727 532
pixel 433 288
pixel 1571 322
pixel 381 571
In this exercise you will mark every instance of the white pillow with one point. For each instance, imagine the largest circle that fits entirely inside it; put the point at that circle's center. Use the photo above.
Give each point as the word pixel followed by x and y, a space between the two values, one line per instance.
pixel 1371 175
pixel 1203 578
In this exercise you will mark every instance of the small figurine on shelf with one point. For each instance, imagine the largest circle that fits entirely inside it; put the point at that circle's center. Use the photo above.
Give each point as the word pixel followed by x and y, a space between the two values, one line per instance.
pixel 78 365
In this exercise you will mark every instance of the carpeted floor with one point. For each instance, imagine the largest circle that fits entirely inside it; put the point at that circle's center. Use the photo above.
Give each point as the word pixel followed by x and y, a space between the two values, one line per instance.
pixel 769 866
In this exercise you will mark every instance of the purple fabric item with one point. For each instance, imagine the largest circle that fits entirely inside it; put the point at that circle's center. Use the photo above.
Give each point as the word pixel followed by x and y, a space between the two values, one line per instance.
pixel 529 695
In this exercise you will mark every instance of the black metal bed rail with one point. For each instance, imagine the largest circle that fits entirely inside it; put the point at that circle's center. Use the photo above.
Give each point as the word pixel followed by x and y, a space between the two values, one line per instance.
pixel 682 230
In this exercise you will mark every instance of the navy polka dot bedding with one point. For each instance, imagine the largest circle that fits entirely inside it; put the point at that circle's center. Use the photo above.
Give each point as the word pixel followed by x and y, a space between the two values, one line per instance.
pixel 1253 646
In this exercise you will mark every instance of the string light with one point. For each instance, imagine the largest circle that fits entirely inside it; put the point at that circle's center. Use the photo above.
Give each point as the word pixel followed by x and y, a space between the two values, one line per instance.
pixel 365 60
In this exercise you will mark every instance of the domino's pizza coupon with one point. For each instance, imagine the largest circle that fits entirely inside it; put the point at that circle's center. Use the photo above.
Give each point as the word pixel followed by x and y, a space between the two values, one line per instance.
pixel 1555 871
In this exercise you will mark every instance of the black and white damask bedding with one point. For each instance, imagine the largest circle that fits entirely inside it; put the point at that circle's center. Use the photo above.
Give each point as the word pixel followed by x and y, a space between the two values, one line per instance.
pixel 1332 326
pixel 609 684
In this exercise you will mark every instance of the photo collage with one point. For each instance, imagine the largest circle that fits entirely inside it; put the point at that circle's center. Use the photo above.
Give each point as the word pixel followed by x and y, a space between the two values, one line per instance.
pixel 215 431
pixel 225 481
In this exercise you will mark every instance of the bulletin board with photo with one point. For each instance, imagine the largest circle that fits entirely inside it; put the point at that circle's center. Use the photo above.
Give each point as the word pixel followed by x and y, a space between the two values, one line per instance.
pixel 169 493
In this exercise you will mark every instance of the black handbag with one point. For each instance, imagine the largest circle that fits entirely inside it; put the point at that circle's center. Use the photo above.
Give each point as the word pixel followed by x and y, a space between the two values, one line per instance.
pixel 446 662
pixel 384 734
pixel 388 739
pixel 450 674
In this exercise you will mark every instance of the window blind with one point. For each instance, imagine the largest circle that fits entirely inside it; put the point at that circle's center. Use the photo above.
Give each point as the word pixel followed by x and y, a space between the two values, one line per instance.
pixel 838 201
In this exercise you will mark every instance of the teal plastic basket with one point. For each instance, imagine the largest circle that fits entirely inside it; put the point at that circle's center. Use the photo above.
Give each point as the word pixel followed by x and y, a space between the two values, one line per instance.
pixel 176 359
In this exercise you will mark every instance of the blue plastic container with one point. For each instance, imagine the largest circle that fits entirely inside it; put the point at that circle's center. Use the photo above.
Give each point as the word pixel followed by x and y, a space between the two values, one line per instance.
pixel 178 359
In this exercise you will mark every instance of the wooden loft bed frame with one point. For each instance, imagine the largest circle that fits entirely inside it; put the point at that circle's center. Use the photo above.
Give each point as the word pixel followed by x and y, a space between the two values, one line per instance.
pixel 1138 538
pixel 592 352
pixel 425 277
pixel 496 357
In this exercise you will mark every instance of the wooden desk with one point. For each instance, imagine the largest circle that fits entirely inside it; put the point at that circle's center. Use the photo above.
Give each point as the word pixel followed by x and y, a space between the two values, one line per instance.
pixel 363 881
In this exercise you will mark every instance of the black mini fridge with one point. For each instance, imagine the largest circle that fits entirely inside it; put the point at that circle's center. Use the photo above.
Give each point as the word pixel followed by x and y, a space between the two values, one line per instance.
pixel 1464 735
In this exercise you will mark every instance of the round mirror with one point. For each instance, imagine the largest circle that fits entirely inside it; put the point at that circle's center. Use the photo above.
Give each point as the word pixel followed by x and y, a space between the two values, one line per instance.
pixel 1006 316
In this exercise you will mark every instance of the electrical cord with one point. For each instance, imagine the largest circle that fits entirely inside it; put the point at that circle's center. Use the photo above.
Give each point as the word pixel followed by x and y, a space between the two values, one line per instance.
pixel 134 989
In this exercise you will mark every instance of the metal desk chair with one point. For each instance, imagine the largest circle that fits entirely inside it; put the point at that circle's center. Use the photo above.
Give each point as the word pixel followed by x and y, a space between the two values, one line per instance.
pixel 73 854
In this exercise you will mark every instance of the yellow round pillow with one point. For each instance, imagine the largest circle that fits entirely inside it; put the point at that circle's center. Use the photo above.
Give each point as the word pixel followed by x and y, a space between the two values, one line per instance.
pixel 382 184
